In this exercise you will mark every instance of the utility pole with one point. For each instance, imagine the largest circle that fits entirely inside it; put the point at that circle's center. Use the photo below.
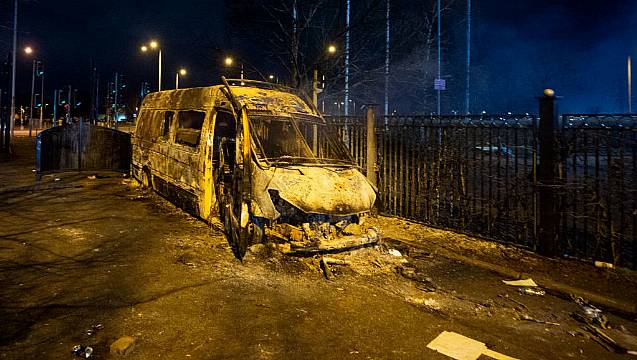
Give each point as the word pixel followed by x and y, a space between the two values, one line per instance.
pixel 42 95
pixel 630 86
pixel 92 118
pixel 159 87
pixel 115 100
pixel 55 108
pixel 468 86
pixel 96 108
pixel 9 133
pixel 387 39
pixel 315 86
pixel 439 56
pixel 68 107
pixel 32 99
pixel 347 16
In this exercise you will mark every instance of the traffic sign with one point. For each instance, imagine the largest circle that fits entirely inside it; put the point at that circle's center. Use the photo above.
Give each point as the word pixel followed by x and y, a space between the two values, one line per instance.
pixel 440 84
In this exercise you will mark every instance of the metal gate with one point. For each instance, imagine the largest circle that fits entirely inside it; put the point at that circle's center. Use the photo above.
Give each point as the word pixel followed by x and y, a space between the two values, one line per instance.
pixel 82 146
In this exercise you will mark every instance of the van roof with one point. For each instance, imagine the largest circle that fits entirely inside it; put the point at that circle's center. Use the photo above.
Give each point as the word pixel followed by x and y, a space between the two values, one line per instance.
pixel 253 98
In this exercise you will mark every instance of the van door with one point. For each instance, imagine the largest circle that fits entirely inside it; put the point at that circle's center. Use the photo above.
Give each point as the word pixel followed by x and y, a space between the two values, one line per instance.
pixel 161 165
pixel 221 126
pixel 184 157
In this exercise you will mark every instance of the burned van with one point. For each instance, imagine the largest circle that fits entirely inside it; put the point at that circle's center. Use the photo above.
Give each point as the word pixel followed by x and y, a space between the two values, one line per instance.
pixel 261 158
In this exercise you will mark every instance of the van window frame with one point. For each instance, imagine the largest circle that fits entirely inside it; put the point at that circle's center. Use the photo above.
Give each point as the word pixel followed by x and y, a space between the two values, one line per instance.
pixel 167 136
pixel 176 127
pixel 148 130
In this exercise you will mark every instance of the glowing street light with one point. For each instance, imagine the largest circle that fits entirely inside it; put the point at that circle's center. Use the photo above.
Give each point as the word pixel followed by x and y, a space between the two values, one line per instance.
pixel 181 72
pixel 228 61
pixel 331 50
pixel 154 45
pixel 29 51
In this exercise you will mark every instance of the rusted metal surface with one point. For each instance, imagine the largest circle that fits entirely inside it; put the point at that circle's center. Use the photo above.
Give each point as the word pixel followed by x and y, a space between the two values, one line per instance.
pixel 82 146
pixel 261 157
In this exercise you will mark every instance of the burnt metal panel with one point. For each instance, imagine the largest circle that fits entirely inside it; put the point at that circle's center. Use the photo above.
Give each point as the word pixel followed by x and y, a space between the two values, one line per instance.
pixel 82 146
pixel 181 99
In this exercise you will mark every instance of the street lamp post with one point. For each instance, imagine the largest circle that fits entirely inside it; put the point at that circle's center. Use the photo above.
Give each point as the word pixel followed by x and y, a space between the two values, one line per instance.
pixel 32 92
pixel 154 45
pixel 181 72
pixel 9 131
pixel 331 50
pixel 28 50
pixel 42 95
pixel 228 61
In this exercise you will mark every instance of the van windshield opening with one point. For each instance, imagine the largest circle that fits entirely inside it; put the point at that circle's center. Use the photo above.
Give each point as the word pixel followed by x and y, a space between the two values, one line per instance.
pixel 289 139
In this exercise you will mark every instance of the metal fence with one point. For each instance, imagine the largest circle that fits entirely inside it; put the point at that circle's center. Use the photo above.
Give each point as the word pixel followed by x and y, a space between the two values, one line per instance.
pixel 598 199
pixel 478 175
pixel 353 131
pixel 471 174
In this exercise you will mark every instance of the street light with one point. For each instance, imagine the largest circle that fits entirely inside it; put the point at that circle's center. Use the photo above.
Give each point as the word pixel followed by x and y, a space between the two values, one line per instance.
pixel 181 72
pixel 229 61
pixel 155 46
pixel 28 50
pixel 331 50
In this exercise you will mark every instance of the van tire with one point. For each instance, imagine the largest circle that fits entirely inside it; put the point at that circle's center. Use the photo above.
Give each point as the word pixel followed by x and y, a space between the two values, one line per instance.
pixel 239 238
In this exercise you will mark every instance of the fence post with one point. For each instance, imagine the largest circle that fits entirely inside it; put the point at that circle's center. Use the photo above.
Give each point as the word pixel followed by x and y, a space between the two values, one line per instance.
pixel 371 145
pixel 548 217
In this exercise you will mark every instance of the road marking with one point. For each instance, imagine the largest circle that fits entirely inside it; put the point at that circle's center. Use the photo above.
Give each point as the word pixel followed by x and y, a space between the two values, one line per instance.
pixel 460 347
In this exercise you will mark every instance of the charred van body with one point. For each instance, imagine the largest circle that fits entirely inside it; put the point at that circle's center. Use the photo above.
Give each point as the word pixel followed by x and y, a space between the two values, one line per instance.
pixel 261 158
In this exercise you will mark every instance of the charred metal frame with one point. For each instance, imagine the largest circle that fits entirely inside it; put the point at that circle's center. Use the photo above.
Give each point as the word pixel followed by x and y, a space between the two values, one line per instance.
pixel 325 198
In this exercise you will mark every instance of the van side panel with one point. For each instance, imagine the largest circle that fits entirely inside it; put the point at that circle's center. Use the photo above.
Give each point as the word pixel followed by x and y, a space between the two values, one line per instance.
pixel 176 169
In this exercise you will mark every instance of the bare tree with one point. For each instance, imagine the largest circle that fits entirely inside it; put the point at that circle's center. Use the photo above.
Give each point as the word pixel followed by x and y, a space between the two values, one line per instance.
pixel 296 33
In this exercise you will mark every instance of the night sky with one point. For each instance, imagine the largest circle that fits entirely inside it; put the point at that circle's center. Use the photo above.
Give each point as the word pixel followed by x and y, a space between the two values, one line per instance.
pixel 577 47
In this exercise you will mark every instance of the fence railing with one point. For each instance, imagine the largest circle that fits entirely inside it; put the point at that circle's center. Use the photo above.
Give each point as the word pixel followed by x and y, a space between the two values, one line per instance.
pixel 481 175
pixel 599 192
pixel 353 131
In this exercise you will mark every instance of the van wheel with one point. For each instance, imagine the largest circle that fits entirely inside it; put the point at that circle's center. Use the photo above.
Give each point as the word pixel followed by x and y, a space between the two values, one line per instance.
pixel 238 237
